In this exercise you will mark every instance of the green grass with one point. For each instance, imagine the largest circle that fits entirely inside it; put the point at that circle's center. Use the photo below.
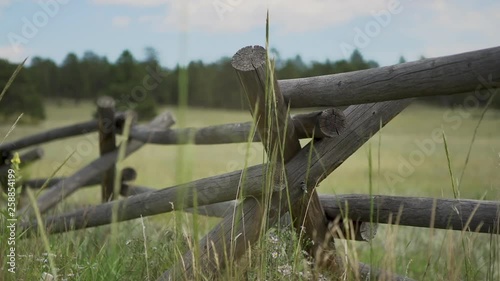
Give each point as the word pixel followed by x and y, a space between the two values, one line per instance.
pixel 421 253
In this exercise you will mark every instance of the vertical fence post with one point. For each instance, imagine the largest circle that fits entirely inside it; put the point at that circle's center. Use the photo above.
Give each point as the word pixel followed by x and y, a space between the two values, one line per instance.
pixel 276 129
pixel 107 143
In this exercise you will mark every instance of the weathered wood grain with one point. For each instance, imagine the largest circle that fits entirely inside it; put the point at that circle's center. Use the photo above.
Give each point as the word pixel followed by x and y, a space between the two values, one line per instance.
pixel 470 215
pixel 461 73
pixel 267 105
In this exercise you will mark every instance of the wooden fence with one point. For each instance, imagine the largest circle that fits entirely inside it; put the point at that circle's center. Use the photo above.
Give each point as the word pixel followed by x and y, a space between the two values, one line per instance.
pixel 374 96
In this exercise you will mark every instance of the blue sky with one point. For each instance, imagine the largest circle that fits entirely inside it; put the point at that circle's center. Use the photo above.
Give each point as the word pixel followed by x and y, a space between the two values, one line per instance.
pixel 183 30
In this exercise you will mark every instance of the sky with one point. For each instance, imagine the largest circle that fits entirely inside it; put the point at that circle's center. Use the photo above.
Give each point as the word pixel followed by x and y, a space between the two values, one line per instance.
pixel 185 30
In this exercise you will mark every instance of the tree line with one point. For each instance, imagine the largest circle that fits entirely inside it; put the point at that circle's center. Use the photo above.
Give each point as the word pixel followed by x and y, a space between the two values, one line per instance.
pixel 143 85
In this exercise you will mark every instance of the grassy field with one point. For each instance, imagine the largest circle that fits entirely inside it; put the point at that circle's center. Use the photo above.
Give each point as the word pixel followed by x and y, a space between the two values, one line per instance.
pixel 422 254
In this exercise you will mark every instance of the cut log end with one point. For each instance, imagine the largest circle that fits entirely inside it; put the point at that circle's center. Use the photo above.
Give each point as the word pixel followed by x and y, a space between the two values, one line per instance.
pixel 105 102
pixel 353 230
pixel 128 174
pixel 332 122
pixel 163 121
pixel 249 58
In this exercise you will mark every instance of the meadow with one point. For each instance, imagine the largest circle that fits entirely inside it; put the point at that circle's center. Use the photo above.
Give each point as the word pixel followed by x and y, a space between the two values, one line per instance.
pixel 408 159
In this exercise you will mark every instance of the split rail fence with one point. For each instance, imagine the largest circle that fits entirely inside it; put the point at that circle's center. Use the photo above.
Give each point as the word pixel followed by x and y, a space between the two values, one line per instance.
pixel 284 186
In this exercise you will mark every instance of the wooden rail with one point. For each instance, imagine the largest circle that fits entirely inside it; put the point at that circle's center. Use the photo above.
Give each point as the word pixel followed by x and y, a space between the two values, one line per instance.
pixel 59 133
pixel 61 190
pixel 363 122
pixel 26 158
pixel 462 73
pixel 320 124
pixel 128 174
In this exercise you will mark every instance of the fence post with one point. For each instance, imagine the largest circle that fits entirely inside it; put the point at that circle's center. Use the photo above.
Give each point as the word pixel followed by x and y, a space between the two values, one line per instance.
pixel 107 143
pixel 276 129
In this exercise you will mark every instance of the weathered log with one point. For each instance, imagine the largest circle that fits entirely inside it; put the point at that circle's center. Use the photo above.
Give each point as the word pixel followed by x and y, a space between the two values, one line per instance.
pixel 469 215
pixel 363 121
pixel 267 106
pixel 107 143
pixel 31 155
pixel 223 209
pixel 128 174
pixel 60 191
pixel 132 189
pixel 59 133
pixel 320 124
pixel 25 158
pixel 324 124
pixel 278 136
pixel 461 73
pixel 480 216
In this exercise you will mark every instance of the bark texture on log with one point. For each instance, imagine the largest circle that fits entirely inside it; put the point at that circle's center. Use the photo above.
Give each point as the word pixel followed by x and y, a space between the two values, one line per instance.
pixel 462 73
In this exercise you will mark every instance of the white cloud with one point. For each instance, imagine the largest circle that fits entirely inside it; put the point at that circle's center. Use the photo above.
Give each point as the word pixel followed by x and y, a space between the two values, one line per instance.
pixel 121 21
pixel 13 54
pixel 460 18
pixel 451 28
pixel 3 5
pixel 137 3
pixel 242 15
pixel 288 15
pixel 437 27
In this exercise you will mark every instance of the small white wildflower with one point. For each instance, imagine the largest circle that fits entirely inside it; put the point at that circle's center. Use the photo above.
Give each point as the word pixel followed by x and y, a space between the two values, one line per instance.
pixel 274 255
pixel 273 238
pixel 47 277
pixel 321 277
pixel 285 269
